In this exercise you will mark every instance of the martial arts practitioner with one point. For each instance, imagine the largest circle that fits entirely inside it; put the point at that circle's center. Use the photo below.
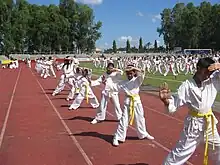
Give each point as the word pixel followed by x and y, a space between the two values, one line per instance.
pixel 198 94
pixel 29 63
pixel 66 77
pixel 133 109
pixel 43 59
pixel 110 80
pixel 85 92
pixel 75 88
pixel 50 62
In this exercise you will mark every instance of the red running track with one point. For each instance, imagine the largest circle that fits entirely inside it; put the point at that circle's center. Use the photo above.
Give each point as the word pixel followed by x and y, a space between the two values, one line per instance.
pixel 40 129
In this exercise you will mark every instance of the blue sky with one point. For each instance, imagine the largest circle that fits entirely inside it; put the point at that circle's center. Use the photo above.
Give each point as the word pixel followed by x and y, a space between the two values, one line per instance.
pixel 127 19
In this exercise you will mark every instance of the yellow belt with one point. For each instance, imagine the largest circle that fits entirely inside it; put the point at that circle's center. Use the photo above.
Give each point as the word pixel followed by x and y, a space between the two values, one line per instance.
pixel 132 107
pixel 206 116
pixel 77 90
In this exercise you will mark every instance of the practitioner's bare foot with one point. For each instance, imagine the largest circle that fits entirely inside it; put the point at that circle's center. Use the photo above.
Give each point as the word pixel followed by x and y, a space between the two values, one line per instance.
pixel 71 108
pixel 95 121
pixel 115 142
pixel 149 137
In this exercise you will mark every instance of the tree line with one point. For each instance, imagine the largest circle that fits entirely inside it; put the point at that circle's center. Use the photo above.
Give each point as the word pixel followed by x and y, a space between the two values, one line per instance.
pixel 190 26
pixel 142 48
pixel 69 26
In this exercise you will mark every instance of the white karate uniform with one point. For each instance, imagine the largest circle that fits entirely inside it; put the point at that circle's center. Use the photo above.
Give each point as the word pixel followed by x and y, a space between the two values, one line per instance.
pixel 16 64
pixel 83 84
pixel 12 65
pixel 43 66
pixel 74 88
pixel 51 69
pixel 110 91
pixel 29 63
pixel 65 78
pixel 201 100
pixel 47 68
pixel 131 87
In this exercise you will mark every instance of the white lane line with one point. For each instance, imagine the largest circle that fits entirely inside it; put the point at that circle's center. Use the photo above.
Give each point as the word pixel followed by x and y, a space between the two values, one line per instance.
pixel 9 109
pixel 154 141
pixel 163 114
pixel 85 156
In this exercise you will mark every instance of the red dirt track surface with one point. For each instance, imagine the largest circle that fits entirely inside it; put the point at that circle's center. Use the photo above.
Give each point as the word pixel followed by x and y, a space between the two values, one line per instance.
pixel 38 129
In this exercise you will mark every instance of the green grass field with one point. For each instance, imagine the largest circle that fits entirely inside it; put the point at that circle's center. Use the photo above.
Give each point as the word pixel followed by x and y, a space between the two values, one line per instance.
pixel 154 80
pixel 2 58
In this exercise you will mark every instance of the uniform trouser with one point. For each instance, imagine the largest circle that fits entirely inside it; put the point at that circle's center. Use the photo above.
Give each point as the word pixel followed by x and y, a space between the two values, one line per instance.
pixel 46 73
pixel 190 138
pixel 43 71
pixel 101 111
pixel 72 91
pixel 139 121
pixel 62 83
pixel 81 96
pixel 170 69
pixel 52 71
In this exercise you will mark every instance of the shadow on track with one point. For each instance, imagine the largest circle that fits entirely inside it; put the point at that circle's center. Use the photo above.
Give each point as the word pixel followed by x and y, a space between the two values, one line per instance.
pixel 107 138
pixel 134 164
pixel 89 119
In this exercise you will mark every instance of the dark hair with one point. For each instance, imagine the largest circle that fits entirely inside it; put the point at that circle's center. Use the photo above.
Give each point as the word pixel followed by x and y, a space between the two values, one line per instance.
pixel 205 62
pixel 85 72
pixel 130 65
pixel 110 64
pixel 66 63
pixel 78 69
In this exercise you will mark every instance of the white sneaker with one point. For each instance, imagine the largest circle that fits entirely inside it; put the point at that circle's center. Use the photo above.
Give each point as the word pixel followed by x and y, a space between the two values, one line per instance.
pixel 115 142
pixel 94 121
pixel 67 99
pixel 53 94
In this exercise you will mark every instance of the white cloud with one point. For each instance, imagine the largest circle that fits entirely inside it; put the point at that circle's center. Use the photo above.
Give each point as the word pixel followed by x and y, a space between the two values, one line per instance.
pixel 90 2
pixel 154 18
pixel 122 41
pixel 125 38
pixel 139 14
pixel 103 45
pixel 158 16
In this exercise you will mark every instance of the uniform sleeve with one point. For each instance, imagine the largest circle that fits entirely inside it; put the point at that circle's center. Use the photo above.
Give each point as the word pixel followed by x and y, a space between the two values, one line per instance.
pixel 59 67
pixel 119 74
pixel 140 78
pixel 215 77
pixel 179 98
pixel 121 85
pixel 97 81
